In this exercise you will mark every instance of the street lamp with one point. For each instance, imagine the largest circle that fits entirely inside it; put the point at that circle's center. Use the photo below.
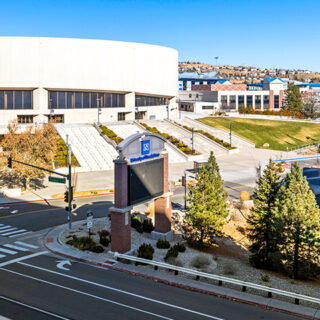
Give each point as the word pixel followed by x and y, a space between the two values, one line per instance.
pixel 99 109
pixel 230 133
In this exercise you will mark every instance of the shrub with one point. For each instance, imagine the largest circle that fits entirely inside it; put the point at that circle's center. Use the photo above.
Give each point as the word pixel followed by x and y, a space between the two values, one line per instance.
pixel 83 243
pixel 265 277
pixel 200 261
pixel 229 269
pixel 175 262
pixel 140 229
pixel 146 251
pixel 135 222
pixel 104 241
pixel 163 244
pixel 97 249
pixel 147 225
pixel 104 233
pixel 181 247
pixel 172 253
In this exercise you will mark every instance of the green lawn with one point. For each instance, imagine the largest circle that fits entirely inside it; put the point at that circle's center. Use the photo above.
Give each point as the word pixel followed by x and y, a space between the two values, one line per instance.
pixel 278 134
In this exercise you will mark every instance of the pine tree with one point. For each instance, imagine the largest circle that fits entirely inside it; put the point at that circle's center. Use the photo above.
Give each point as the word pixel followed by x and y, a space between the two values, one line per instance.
pixel 207 209
pixel 298 215
pixel 262 231
pixel 292 98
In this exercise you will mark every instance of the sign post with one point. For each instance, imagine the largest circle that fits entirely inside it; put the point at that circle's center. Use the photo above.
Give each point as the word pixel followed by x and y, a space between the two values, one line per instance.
pixel 89 220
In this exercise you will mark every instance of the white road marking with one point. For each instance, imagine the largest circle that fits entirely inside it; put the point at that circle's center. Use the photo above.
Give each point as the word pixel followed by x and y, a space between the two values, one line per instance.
pixel 6 230
pixel 34 308
pixel 13 232
pixel 5 227
pixel 22 258
pixel 15 247
pixel 61 264
pixel 14 211
pixel 4 208
pixel 121 291
pixel 86 294
pixel 26 244
pixel 8 251
pixel 20 234
pixel 2 255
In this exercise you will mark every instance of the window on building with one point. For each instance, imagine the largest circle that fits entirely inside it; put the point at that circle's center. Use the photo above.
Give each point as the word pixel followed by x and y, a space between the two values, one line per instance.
pixel 25 119
pixel 207 107
pixel 190 95
pixel 240 101
pixel 232 102
pixel 197 96
pixel 257 102
pixel 266 102
pixel 224 101
pixel 15 99
pixel 57 118
pixel 121 116
pixel 276 101
pixel 144 101
pixel 249 101
pixel 83 100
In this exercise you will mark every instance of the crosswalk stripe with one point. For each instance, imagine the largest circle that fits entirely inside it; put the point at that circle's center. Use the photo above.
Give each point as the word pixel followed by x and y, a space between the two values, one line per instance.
pixel 26 244
pixel 13 232
pixel 19 234
pixel 8 251
pixel 15 247
pixel 2 256
pixel 4 231
pixel 5 227
pixel 1 224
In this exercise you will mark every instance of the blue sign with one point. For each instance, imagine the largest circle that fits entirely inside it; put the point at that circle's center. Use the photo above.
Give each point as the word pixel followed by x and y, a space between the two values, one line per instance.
pixel 150 156
pixel 145 147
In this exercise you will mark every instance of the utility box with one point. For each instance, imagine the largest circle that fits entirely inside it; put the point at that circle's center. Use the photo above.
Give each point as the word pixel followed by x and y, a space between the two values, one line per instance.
pixel 197 165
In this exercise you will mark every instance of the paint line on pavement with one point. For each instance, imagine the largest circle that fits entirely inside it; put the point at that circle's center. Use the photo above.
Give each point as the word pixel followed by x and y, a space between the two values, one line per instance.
pixel 14 232
pixel 12 246
pixel 33 308
pixel 23 258
pixel 8 251
pixel 122 291
pixel 6 230
pixel 87 294
pixel 26 244
pixel 19 234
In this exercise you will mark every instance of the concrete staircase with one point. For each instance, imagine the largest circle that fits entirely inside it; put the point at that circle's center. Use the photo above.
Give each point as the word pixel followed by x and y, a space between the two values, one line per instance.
pixel 91 150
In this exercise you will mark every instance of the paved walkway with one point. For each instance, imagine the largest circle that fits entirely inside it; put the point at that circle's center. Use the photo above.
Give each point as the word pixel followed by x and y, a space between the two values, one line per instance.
pixel 53 243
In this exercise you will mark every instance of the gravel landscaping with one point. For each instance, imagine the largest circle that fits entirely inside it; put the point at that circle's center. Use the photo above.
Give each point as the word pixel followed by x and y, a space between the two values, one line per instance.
pixel 226 258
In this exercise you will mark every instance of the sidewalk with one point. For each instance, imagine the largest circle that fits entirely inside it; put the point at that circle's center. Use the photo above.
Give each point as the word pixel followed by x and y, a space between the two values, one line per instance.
pixel 53 243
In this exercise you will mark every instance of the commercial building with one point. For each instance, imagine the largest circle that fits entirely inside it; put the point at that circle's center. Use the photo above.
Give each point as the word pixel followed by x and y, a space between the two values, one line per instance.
pixel 70 80
pixel 229 97
pixel 188 79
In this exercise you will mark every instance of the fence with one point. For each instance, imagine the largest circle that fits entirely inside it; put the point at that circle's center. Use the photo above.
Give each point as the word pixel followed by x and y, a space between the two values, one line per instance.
pixel 220 279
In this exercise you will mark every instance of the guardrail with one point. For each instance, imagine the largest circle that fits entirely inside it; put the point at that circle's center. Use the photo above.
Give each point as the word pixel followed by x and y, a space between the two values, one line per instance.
pixel 199 274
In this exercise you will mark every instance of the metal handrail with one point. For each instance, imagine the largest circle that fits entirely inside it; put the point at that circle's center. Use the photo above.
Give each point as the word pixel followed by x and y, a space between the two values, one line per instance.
pixel 221 279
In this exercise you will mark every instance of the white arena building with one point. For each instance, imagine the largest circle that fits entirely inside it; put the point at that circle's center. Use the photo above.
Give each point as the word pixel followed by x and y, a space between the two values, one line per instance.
pixel 69 80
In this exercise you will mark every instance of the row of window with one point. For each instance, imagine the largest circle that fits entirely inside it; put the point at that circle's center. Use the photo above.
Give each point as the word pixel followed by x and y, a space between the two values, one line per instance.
pixel 249 100
pixel 144 101
pixel 82 100
pixel 15 99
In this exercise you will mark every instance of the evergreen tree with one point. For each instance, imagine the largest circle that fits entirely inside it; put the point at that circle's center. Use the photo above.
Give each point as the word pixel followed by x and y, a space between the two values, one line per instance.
pixel 207 209
pixel 292 98
pixel 262 231
pixel 298 215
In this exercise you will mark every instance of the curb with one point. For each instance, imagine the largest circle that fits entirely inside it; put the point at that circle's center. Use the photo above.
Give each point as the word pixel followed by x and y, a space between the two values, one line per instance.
pixel 180 285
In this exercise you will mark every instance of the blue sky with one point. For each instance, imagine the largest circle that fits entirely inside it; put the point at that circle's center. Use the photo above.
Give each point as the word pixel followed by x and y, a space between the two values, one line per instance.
pixel 265 33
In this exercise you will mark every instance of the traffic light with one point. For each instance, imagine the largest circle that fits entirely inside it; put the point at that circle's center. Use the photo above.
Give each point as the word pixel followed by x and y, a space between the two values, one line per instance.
pixel 9 162
pixel 66 196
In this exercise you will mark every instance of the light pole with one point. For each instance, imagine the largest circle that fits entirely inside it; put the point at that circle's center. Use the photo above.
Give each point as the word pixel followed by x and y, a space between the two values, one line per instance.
pixel 192 140
pixel 230 134
pixel 99 109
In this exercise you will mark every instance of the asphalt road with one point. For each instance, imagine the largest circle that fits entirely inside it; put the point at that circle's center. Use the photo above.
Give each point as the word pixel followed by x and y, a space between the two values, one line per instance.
pixel 36 288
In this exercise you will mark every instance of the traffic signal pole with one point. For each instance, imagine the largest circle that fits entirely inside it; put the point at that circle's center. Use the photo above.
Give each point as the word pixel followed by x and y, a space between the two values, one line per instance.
pixel 67 176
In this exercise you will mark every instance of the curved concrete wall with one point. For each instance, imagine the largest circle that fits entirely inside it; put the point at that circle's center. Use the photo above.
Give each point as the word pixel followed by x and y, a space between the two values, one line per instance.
pixel 86 65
